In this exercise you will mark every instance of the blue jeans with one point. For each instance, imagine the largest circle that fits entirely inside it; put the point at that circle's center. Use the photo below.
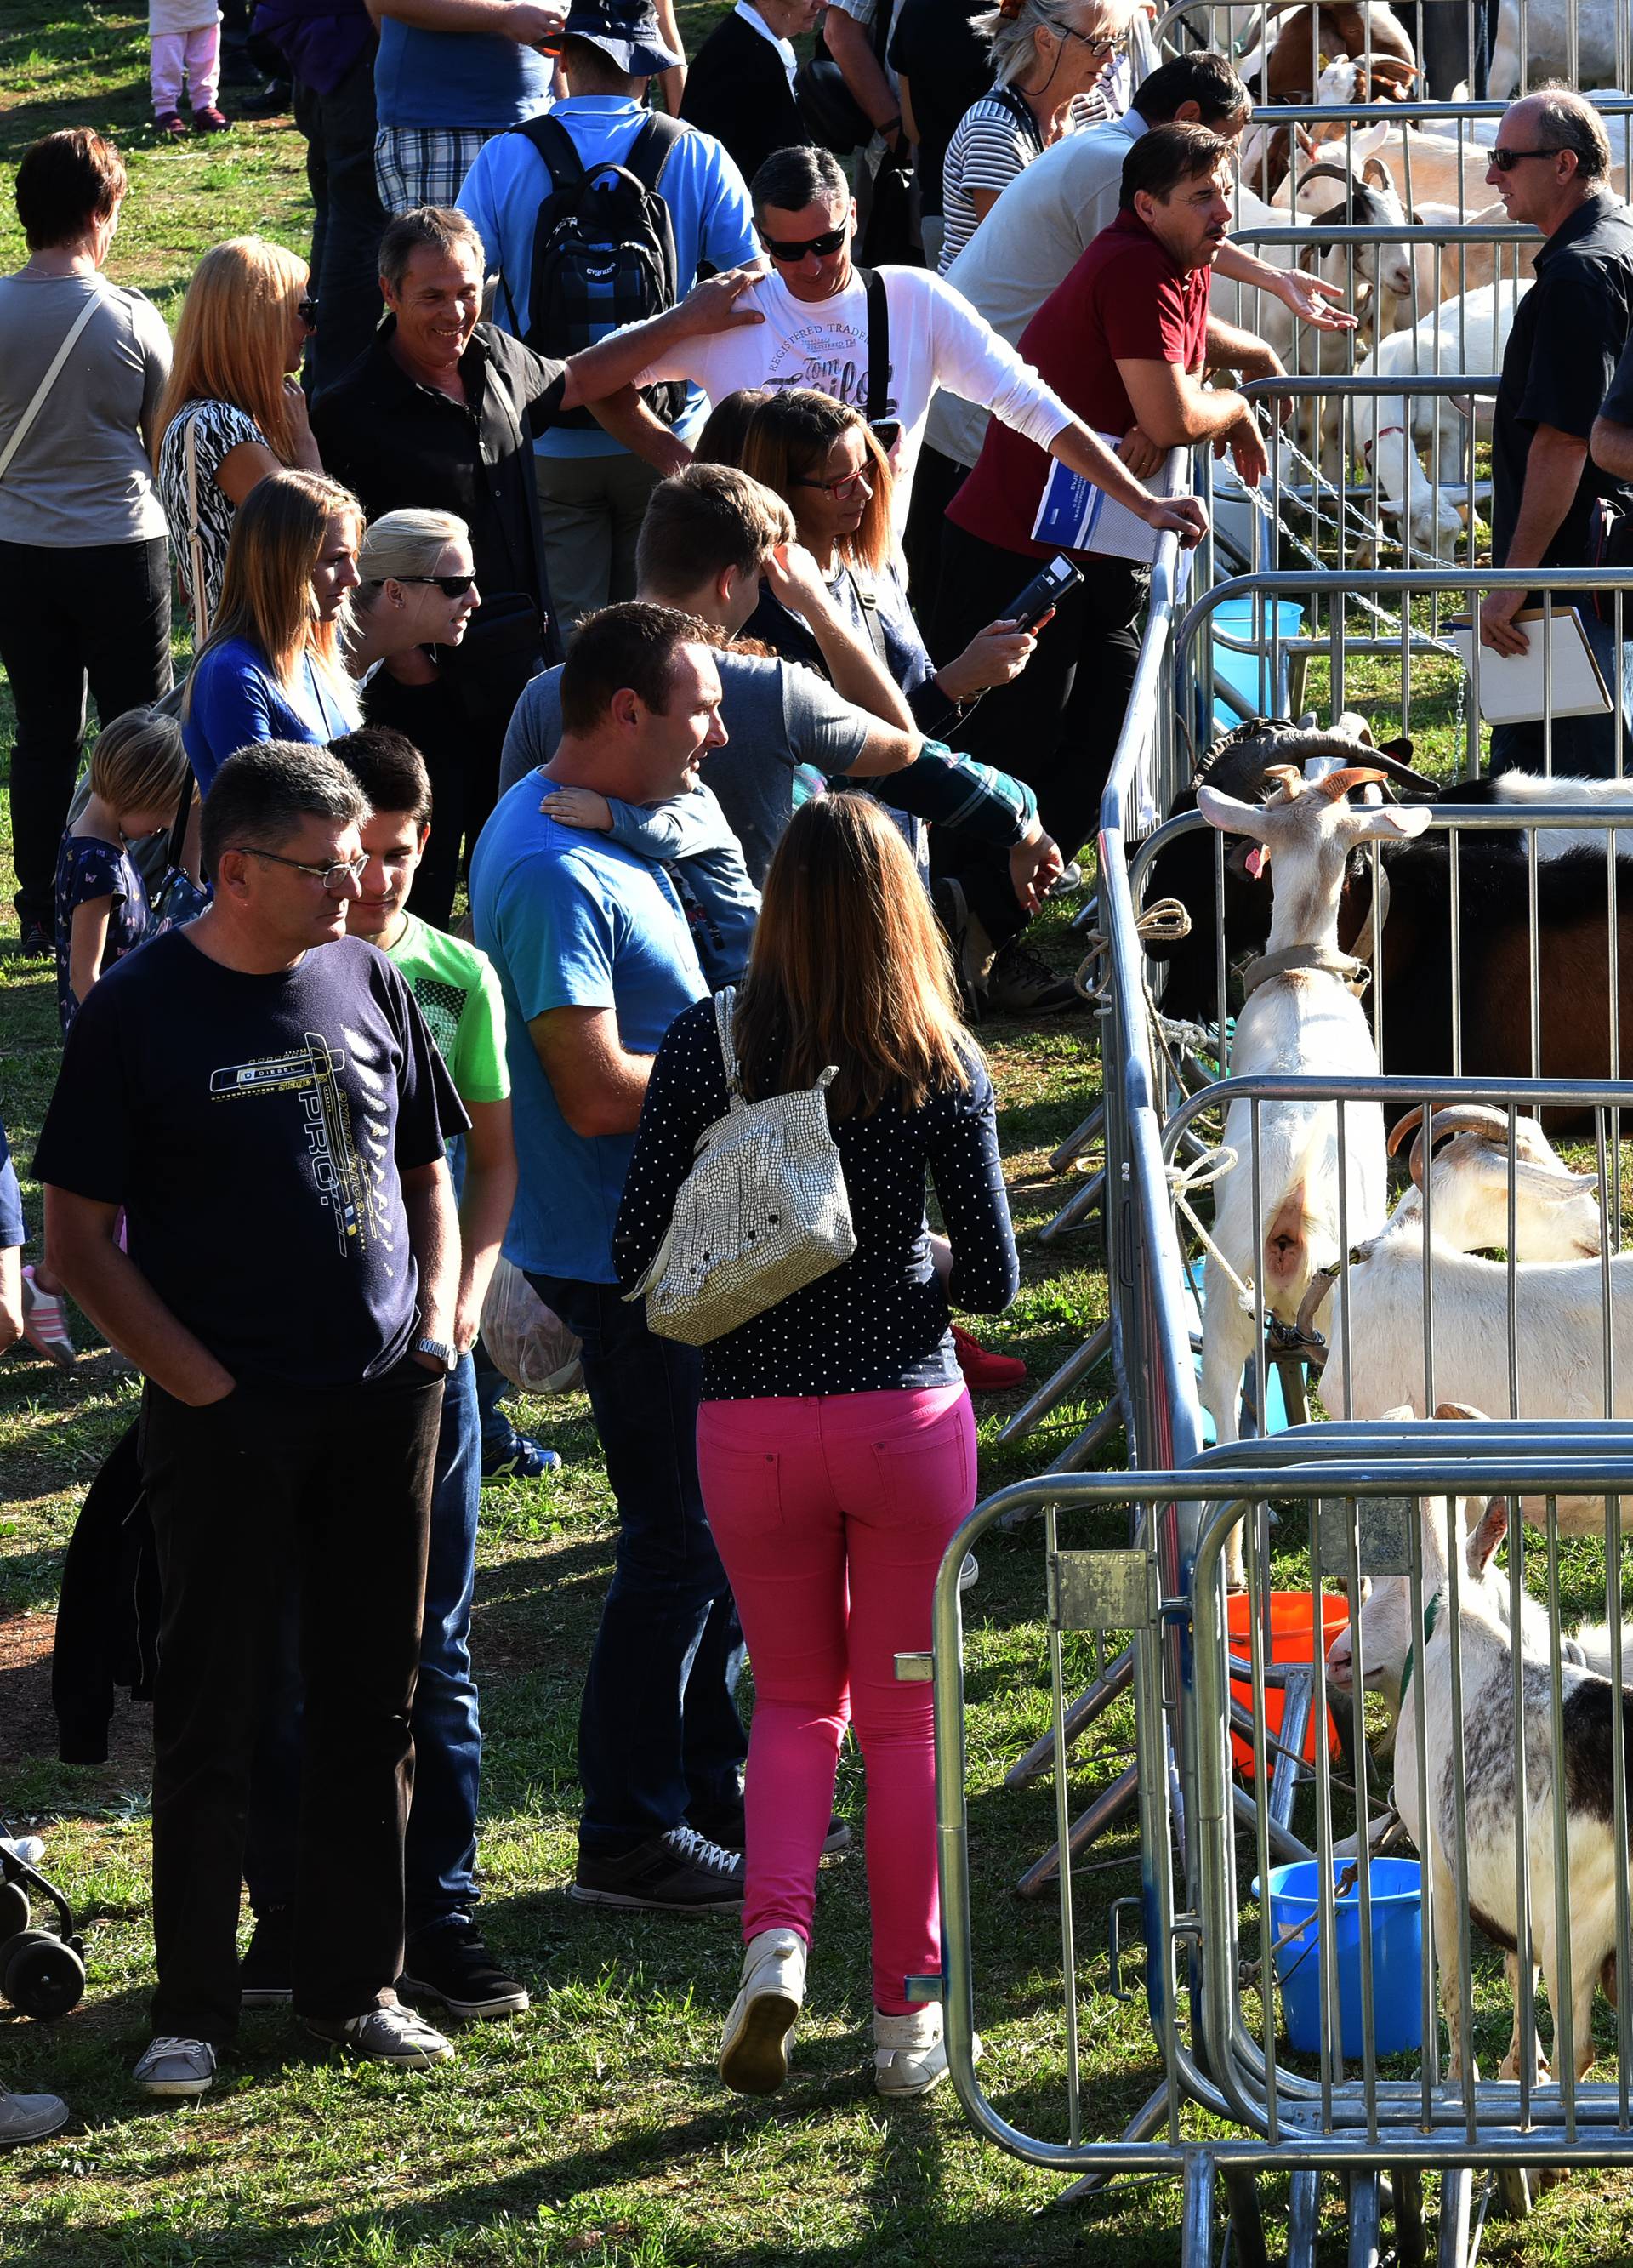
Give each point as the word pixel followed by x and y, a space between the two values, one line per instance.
pixel 1584 746
pixel 659 1733
pixel 440 1854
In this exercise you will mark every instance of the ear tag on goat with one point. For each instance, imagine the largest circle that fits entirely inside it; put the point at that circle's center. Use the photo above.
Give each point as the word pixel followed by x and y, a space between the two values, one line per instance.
pixel 1254 863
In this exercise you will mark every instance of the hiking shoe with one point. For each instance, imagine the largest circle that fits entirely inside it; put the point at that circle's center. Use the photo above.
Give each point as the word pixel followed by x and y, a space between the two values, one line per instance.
pixel 394 2036
pixel 1021 984
pixel 449 1962
pixel 45 1323
pixel 267 1965
pixel 207 119
pixel 171 122
pixel 909 2054
pixel 753 2049
pixel 678 1872
pixel 971 947
pixel 984 1372
pixel 729 1829
pixel 31 2117
pixel 520 1458
pixel 1068 882
pixel 168 2065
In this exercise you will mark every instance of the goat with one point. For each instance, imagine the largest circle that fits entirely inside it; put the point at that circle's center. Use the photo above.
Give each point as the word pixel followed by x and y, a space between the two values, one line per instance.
pixel 1371 274
pixel 1549 44
pixel 1594 1716
pixel 1302 1017
pixel 1288 65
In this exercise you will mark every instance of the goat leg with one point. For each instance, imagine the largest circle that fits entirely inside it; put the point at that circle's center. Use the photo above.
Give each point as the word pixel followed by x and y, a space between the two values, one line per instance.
pixel 1509 2067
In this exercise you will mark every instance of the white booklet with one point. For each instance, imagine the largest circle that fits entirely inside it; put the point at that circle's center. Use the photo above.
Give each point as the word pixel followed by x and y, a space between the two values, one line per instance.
pixel 1511 685
pixel 1076 515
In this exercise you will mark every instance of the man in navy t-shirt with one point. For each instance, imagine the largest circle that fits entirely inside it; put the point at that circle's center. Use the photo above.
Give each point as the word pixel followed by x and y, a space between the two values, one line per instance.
pixel 259 1096
pixel 596 962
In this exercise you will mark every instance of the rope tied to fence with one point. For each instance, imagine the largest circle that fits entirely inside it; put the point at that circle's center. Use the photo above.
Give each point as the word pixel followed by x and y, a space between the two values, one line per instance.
pixel 1201 1173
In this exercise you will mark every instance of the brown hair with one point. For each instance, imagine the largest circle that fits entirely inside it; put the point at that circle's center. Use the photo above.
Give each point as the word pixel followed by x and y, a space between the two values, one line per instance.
pixel 726 426
pixel 787 440
pixel 882 1006
pixel 1167 157
pixel 266 592
pixel 64 182
pixel 702 521
pixel 442 226
pixel 631 645
pixel 232 335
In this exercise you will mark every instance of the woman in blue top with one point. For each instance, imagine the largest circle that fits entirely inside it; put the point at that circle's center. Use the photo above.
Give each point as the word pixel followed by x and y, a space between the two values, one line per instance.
pixel 271 668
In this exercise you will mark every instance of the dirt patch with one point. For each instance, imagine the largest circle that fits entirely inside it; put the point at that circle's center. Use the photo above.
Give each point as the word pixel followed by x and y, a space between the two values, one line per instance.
pixel 27 1721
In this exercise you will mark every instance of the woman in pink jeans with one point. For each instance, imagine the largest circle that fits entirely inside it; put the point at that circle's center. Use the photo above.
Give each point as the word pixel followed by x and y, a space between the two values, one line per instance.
pixel 836 1442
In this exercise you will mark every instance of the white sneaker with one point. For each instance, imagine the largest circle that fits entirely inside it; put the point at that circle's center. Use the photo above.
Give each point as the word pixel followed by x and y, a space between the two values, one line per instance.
pixel 909 2054
pixel 169 2065
pixel 394 2036
pixel 45 1323
pixel 753 2049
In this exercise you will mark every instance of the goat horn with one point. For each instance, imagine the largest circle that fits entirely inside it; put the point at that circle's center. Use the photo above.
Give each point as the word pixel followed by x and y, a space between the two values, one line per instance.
pixel 1339 784
pixel 1402 1127
pixel 1469 1117
pixel 1324 172
pixel 1287 777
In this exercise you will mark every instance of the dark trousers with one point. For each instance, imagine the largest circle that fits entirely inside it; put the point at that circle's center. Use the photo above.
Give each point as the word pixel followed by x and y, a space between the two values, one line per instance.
pixel 439 1851
pixel 461 747
pixel 348 219
pixel 97 616
pixel 659 1733
pixel 937 479
pixel 1056 725
pixel 332 1492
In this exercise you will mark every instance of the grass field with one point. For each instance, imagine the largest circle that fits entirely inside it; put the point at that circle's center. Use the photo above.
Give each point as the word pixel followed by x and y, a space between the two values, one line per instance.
pixel 594 2130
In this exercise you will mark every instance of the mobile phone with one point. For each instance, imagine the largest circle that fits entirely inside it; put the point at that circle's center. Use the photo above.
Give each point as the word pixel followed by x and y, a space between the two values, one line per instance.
pixel 1043 591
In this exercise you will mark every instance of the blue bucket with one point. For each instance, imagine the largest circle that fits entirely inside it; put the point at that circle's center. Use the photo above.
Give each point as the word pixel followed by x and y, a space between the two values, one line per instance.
pixel 1249 676
pixel 1397 1913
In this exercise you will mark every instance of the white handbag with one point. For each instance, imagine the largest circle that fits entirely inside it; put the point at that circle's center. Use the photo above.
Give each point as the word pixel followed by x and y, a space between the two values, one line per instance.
pixel 763 1211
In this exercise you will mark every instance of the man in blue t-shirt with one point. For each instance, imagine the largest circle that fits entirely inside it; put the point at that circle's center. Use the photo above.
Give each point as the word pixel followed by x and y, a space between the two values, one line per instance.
pixel 596 960
pixel 594 480
pixel 258 1092
pixel 449 73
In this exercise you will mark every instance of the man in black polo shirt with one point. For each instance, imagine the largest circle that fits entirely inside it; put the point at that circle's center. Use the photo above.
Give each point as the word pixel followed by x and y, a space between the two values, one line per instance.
pixel 1550 165
pixel 441 414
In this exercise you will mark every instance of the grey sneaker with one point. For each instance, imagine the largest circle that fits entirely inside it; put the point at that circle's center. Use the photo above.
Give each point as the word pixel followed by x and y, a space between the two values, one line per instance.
pixel 168 2065
pixel 394 2036
pixel 1021 984
pixel 679 1872
pixel 31 2117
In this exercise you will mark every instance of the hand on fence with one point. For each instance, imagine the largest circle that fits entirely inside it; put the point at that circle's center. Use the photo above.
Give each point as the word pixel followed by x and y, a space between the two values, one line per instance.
pixel 1140 453
pixel 1183 515
pixel 1245 444
pixel 1497 628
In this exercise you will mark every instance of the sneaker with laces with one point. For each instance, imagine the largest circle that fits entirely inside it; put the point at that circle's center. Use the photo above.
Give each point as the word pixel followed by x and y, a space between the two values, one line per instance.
pixel 909 2053
pixel 679 1872
pixel 520 1458
pixel 45 1323
pixel 729 1828
pixel 267 1965
pixel 753 2049
pixel 1021 984
pixel 31 2117
pixel 169 2065
pixel 395 2036
pixel 985 1372
pixel 449 1962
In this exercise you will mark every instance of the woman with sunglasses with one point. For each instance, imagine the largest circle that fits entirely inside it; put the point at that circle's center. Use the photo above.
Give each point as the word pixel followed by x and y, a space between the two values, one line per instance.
pixel 271 668
pixel 1052 61
pixel 415 598
pixel 234 410
pixel 820 456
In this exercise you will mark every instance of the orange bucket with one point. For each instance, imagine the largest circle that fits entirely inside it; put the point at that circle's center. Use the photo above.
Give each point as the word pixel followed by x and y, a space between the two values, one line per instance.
pixel 1291 1619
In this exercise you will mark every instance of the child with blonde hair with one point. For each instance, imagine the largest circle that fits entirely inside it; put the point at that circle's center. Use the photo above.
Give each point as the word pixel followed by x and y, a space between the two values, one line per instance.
pixel 138 772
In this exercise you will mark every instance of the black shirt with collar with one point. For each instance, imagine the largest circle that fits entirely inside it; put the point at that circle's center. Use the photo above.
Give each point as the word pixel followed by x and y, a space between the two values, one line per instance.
pixel 737 90
pixel 1570 331
pixel 947 66
pixel 400 445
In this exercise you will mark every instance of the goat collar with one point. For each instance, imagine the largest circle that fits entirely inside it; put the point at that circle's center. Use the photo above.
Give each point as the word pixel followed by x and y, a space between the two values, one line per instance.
pixel 1432 1616
pixel 1353 974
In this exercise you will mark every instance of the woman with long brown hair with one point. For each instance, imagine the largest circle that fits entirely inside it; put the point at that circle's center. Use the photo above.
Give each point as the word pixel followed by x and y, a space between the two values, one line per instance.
pixel 835 1444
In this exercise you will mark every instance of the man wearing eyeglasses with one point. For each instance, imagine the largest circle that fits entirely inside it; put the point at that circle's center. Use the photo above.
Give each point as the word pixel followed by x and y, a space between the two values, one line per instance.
pixel 887 349
pixel 258 1092
pixel 1550 165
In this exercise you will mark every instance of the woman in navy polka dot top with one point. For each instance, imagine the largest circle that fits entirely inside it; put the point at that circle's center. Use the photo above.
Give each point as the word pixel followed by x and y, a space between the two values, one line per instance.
pixel 836 1443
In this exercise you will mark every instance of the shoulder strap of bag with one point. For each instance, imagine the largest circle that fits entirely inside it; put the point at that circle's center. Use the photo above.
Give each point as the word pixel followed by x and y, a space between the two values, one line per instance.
pixel 878 342
pixel 557 147
pixel 196 547
pixel 725 1008
pixel 649 153
pixel 1006 98
pixel 867 602
pixel 53 372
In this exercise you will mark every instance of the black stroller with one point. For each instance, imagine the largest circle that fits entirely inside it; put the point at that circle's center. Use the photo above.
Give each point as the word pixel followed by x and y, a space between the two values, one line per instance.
pixel 42 1973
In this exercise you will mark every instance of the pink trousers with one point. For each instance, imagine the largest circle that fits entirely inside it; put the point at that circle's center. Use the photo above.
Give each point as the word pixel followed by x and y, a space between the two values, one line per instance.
pixel 831 1513
pixel 199 52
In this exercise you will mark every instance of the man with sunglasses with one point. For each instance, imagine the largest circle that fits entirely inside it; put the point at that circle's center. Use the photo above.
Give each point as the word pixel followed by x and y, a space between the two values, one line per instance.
pixel 1550 165
pixel 258 1094
pixel 885 348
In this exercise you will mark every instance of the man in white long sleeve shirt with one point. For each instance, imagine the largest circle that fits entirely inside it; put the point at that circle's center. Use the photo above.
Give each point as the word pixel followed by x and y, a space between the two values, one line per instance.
pixel 816 331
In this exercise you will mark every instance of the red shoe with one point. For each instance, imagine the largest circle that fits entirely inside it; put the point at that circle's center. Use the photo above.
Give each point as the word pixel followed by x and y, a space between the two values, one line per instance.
pixel 208 120
pixel 984 1372
pixel 169 121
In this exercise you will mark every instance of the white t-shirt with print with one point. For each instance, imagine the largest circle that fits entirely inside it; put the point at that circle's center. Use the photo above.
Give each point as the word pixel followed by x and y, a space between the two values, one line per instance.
pixel 936 339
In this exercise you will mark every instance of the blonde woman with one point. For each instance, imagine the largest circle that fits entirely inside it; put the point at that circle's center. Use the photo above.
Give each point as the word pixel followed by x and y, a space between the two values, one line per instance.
pixel 271 669
pixel 836 1443
pixel 234 410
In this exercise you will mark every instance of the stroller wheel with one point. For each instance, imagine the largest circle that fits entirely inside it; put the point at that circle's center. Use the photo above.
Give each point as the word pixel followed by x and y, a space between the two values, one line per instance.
pixel 41 1975
pixel 14 1910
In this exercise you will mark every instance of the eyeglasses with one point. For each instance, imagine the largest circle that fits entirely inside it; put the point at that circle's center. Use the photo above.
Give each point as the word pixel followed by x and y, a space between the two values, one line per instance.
pixel 1100 47
pixel 307 310
pixel 1506 160
pixel 843 489
pixel 830 240
pixel 334 878
pixel 452 587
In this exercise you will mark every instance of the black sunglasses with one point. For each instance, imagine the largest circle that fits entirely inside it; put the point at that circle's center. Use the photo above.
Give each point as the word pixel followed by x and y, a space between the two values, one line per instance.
pixel 452 587
pixel 307 310
pixel 1506 160
pixel 830 240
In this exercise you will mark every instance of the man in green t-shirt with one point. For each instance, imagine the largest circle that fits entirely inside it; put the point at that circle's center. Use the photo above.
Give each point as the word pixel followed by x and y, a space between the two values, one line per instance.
pixel 457 993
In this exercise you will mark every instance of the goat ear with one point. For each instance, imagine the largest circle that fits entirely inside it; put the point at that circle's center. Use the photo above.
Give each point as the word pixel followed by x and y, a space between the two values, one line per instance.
pixel 1400 747
pixel 1483 1542
pixel 1382 822
pixel 1233 818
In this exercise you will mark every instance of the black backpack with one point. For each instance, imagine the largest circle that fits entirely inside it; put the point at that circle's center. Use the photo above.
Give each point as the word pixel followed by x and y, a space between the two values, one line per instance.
pixel 603 250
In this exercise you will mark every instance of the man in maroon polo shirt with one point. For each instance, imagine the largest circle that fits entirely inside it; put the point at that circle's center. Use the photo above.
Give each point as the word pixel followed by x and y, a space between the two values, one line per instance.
pixel 1125 342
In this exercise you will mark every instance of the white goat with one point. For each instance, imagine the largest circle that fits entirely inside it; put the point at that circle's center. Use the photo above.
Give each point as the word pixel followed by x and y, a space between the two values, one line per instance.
pixel 1302 1018
pixel 1595 1716
pixel 1548 44
pixel 1382 273
pixel 1522 788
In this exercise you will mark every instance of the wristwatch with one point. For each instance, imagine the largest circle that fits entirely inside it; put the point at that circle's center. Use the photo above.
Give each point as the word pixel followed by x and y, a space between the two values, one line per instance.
pixel 440 1351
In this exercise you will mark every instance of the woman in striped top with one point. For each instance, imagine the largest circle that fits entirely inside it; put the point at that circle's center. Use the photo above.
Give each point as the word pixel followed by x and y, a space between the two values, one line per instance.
pixel 1052 71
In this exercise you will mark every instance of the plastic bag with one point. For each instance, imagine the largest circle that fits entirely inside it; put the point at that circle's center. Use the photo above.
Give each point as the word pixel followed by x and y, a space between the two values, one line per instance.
pixel 529 1345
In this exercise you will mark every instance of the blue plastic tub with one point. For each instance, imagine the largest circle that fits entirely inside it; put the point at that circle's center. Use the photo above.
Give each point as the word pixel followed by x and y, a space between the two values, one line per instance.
pixel 1249 676
pixel 1396 1955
